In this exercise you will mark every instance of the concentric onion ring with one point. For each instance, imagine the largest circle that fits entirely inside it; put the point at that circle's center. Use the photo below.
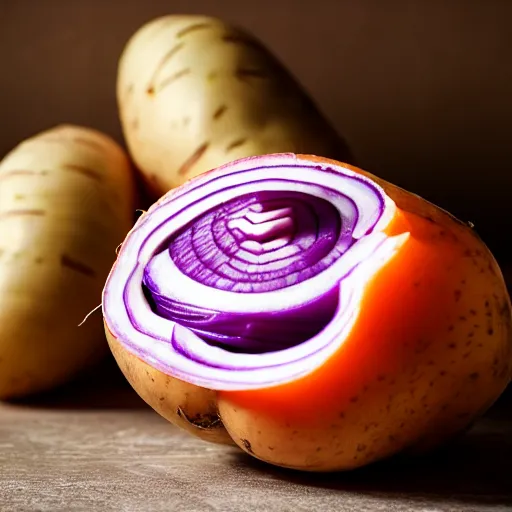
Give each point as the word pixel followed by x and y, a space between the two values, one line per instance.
pixel 250 275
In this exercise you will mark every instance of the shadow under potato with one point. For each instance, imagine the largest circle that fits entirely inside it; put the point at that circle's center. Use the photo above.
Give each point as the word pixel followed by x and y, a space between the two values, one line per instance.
pixel 101 387
pixel 476 468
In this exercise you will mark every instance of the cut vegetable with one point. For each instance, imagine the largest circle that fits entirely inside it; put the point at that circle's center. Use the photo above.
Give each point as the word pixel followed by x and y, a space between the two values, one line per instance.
pixel 308 296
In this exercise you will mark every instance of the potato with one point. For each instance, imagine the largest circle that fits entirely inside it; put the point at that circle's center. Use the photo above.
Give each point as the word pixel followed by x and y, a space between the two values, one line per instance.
pixel 430 351
pixel 195 92
pixel 66 202
pixel 189 407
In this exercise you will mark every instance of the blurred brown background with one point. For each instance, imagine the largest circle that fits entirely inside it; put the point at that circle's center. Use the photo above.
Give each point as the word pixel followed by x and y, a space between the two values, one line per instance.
pixel 422 90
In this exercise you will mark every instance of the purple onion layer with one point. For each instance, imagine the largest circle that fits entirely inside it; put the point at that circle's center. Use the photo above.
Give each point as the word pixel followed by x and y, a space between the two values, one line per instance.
pixel 252 274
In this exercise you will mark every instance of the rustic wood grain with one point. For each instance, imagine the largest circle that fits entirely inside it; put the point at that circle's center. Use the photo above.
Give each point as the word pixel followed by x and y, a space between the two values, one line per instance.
pixel 101 449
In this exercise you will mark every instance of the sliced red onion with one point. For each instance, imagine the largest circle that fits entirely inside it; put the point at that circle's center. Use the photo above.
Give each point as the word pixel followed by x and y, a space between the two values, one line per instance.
pixel 250 275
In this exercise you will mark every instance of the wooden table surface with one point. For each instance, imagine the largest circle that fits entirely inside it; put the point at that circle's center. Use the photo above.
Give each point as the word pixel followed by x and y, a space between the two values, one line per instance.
pixel 100 448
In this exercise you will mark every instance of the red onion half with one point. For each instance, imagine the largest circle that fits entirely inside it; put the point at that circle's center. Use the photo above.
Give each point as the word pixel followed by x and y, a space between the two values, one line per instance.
pixel 250 275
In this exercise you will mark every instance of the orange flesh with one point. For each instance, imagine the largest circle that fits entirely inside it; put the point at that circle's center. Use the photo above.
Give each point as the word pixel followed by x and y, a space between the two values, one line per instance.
pixel 407 310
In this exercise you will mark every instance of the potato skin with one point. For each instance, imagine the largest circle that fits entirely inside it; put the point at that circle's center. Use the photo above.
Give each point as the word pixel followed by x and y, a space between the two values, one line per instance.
pixel 66 202
pixel 430 352
pixel 195 92
pixel 187 406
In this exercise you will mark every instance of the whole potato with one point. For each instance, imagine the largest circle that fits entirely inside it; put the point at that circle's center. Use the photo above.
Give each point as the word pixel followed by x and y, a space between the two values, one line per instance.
pixel 66 202
pixel 195 92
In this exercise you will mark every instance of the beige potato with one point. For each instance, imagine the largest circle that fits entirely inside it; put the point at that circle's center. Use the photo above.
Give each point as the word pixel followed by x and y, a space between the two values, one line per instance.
pixel 195 92
pixel 66 202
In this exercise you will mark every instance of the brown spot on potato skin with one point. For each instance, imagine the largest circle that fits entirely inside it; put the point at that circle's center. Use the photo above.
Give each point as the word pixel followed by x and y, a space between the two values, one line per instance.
pixel 193 159
pixel 77 266
pixel 192 28
pixel 235 144
pixel 152 87
pixel 201 421
pixel 85 171
pixel 168 81
pixel 457 294
pixel 504 309
pixel 246 73
pixel 247 445
pixel 22 213
pixel 219 112
pixel 20 172
pixel 88 143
